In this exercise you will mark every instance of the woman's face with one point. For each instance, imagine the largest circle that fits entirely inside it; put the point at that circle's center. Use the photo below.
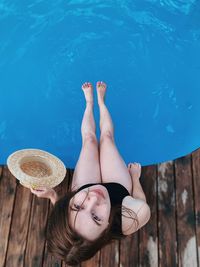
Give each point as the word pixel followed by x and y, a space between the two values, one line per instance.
pixel 89 211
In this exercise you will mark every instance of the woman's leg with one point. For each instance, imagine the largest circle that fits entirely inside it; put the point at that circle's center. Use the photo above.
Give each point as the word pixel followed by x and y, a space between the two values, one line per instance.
pixel 87 169
pixel 113 167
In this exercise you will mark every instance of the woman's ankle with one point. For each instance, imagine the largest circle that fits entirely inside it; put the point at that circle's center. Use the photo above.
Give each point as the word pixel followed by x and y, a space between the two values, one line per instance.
pixel 90 104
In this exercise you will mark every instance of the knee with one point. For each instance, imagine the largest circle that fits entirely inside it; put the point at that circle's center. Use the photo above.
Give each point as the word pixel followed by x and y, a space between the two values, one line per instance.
pixel 107 136
pixel 90 138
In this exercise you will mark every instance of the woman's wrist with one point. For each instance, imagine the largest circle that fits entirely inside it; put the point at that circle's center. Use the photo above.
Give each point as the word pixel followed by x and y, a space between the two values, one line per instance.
pixel 138 191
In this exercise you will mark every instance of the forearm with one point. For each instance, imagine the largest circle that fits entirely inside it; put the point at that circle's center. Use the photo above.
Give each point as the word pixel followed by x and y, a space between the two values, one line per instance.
pixel 137 190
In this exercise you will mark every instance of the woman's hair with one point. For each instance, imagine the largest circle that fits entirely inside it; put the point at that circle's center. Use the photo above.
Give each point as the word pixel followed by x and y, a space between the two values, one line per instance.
pixel 64 243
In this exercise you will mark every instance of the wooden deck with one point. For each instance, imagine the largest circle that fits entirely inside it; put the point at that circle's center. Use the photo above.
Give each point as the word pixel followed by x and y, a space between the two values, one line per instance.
pixel 171 238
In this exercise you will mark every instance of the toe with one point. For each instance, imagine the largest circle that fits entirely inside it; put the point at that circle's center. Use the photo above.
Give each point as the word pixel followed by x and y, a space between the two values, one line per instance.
pixel 86 84
pixel 89 84
pixel 105 85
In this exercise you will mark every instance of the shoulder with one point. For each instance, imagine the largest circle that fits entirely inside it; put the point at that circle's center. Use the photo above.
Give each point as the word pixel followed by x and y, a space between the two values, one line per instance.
pixel 141 212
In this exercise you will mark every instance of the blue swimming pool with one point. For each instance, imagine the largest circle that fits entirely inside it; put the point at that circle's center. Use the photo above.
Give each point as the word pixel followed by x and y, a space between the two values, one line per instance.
pixel 148 53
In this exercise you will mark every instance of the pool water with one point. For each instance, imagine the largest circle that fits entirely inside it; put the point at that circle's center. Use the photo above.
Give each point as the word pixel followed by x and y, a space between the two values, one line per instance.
pixel 148 53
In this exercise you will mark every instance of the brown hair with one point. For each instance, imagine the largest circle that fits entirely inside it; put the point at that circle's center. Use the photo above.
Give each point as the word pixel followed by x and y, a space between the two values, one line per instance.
pixel 64 243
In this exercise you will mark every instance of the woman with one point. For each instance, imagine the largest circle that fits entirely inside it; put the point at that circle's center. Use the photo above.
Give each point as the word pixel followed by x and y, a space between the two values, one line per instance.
pixel 106 200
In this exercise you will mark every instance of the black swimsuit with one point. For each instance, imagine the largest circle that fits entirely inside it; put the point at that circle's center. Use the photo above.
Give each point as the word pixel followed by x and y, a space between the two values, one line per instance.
pixel 117 193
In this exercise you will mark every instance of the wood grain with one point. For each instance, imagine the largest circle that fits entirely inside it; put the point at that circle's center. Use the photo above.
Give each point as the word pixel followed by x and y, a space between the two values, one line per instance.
pixel 110 255
pixel 172 190
pixel 7 197
pixel 166 215
pixel 129 254
pixel 49 260
pixel 94 261
pixel 187 253
pixel 19 227
pixel 148 235
pixel 36 234
pixel 196 182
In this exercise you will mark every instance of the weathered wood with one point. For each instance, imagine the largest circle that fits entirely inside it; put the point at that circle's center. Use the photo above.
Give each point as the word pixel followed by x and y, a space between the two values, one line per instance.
pixel 36 235
pixel 94 261
pixel 129 251
pixel 7 197
pixel 61 189
pixel 1 173
pixel 148 236
pixel 49 260
pixel 166 215
pixel 68 187
pixel 16 231
pixel 196 181
pixel 19 227
pixel 110 255
pixel 187 254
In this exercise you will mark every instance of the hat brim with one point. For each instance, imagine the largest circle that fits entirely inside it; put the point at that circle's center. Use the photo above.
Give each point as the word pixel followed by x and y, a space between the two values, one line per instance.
pixel 35 168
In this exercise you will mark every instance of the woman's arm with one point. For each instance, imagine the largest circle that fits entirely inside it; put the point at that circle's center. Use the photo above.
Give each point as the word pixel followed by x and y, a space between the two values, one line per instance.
pixel 135 172
pixel 46 193
pixel 138 191
pixel 136 203
pixel 141 209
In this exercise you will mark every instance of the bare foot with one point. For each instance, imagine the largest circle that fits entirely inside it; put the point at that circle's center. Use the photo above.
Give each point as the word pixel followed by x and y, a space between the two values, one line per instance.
pixel 101 89
pixel 88 92
pixel 134 170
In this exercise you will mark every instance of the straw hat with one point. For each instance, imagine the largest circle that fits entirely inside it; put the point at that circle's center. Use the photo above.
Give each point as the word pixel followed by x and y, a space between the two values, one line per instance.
pixel 35 168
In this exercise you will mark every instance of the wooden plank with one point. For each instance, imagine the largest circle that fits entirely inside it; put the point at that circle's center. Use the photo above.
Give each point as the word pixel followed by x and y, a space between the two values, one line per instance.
pixel 110 255
pixel 7 197
pixel 61 189
pixel 166 215
pixel 50 260
pixel 36 234
pixel 187 254
pixel 94 261
pixel 1 173
pixel 69 182
pixel 196 182
pixel 19 227
pixel 148 241
pixel 129 251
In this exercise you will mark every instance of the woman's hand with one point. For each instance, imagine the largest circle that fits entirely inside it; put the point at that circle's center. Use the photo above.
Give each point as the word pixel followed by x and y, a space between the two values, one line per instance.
pixel 135 171
pixel 44 192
